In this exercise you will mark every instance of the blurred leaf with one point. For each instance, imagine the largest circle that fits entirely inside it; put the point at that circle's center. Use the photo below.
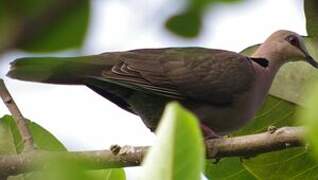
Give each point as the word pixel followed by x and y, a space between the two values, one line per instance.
pixel 179 151
pixel 109 174
pixel 61 170
pixel 293 163
pixel 7 25
pixel 292 79
pixel 43 26
pixel 311 13
pixel 309 118
pixel 187 24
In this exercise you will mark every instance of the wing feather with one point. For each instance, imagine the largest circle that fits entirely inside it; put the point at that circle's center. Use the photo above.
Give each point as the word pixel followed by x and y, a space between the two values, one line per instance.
pixel 214 76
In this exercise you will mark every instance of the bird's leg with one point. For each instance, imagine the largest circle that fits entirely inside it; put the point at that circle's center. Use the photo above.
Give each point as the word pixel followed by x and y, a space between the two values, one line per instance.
pixel 208 133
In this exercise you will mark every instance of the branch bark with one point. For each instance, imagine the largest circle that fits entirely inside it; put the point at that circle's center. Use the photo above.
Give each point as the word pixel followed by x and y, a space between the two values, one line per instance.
pixel 127 156
pixel 18 117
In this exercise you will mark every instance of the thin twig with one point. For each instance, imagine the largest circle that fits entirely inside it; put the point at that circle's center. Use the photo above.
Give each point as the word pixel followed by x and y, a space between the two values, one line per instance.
pixel 126 156
pixel 18 117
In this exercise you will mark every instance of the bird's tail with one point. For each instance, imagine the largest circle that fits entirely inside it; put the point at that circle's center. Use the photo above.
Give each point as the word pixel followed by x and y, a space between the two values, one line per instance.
pixel 70 70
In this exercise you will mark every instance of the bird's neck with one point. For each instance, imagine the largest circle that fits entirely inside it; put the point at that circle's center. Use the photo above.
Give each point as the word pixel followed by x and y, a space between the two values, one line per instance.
pixel 265 76
pixel 270 53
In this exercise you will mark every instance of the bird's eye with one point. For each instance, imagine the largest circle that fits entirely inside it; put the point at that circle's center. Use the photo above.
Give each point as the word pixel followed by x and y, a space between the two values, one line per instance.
pixel 293 40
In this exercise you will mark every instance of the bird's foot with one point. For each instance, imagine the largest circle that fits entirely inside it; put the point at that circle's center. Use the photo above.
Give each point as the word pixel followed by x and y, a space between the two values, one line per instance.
pixel 216 161
pixel 247 157
pixel 271 129
pixel 208 133
pixel 115 149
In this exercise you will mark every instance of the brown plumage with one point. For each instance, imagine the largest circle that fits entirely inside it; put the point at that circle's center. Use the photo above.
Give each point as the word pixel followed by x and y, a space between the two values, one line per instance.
pixel 224 89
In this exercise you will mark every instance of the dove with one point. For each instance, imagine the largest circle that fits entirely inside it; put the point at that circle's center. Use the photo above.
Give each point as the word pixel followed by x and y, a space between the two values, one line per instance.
pixel 223 89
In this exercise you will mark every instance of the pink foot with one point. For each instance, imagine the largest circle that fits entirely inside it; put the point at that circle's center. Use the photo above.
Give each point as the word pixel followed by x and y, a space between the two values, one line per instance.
pixel 208 133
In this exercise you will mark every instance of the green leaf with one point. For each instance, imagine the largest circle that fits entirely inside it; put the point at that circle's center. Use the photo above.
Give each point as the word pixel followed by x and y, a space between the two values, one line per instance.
pixel 109 174
pixel 43 26
pixel 187 24
pixel 178 153
pixel 286 164
pixel 229 169
pixel 10 143
pixel 10 140
pixel 42 138
pixel 295 163
pixel 309 118
pixel 311 13
pixel 68 170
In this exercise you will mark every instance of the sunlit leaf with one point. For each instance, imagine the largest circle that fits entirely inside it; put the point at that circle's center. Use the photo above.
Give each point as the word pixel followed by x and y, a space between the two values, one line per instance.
pixel 286 164
pixel 229 169
pixel 109 174
pixel 178 153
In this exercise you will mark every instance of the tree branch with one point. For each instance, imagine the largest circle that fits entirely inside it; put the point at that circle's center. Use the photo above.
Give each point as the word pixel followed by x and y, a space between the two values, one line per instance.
pixel 18 117
pixel 30 159
pixel 249 145
pixel 126 156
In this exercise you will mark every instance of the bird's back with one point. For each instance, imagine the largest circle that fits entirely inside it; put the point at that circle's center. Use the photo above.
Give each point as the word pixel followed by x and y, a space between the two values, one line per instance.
pixel 199 74
pixel 143 81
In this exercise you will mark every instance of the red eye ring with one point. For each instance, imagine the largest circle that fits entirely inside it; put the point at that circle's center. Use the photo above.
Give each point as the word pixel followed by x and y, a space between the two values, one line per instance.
pixel 293 40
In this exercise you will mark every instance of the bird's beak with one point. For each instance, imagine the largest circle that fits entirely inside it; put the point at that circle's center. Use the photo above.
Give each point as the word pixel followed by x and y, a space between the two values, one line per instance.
pixel 309 58
pixel 311 61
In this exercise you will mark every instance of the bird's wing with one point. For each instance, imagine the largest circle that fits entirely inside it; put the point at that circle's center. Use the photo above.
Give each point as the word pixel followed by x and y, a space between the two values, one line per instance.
pixel 214 76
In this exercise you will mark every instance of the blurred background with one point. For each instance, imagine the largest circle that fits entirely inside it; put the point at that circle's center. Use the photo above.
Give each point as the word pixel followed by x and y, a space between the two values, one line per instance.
pixel 83 120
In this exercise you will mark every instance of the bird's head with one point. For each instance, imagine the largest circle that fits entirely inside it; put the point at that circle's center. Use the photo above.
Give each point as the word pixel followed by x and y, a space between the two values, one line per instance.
pixel 289 46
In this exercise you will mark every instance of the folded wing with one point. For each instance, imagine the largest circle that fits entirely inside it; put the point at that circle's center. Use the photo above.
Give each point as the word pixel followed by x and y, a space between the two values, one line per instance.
pixel 199 74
